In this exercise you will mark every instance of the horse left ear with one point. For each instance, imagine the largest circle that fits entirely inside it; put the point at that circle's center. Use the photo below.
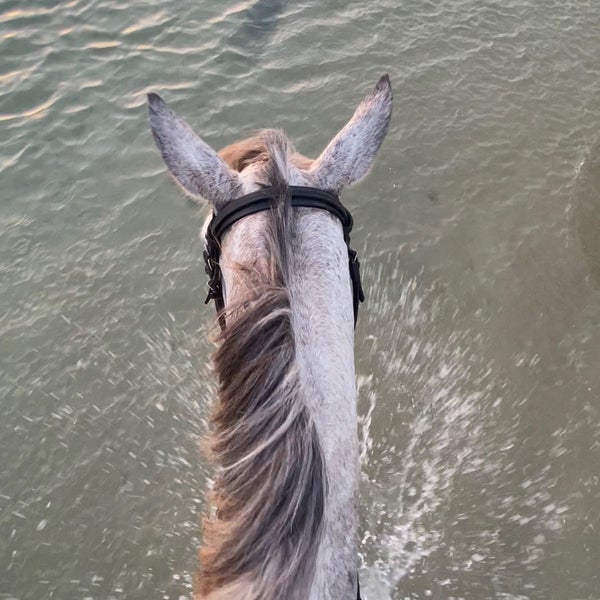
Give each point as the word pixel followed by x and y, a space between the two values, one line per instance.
pixel 192 162
pixel 349 156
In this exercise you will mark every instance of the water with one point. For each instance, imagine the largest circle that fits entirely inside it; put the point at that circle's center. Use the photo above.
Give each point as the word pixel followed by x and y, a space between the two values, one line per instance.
pixel 478 349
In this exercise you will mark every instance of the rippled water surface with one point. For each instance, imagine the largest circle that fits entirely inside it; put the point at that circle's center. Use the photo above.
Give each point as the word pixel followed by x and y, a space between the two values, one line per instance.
pixel 478 349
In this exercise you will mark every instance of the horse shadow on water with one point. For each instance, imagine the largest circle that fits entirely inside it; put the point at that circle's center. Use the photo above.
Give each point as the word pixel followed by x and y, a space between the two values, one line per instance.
pixel 283 521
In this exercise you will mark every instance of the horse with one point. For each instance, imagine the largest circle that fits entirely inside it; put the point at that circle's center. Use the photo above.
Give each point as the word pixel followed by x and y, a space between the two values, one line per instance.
pixel 283 518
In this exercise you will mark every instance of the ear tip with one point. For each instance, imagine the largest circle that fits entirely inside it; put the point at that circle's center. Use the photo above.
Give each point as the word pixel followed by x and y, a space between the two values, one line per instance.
pixel 155 102
pixel 384 84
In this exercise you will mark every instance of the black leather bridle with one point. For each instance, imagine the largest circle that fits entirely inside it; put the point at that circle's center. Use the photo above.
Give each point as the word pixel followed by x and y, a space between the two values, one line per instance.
pixel 263 200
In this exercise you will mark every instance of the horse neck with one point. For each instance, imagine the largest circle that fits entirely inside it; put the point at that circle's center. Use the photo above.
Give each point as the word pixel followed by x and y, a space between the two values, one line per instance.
pixel 323 323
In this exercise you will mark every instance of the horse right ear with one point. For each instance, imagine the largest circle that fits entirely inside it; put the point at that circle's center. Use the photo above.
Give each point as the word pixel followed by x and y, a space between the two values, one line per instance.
pixel 193 163
pixel 349 156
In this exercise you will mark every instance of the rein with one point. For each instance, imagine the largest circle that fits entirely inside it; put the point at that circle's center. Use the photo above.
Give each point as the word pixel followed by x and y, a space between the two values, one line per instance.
pixel 260 201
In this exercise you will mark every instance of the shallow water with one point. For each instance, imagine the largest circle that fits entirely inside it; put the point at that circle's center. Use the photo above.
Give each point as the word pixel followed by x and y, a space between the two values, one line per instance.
pixel 478 349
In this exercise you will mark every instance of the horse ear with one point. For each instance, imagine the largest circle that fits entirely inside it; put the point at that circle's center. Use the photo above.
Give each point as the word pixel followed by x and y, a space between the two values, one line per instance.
pixel 193 163
pixel 349 156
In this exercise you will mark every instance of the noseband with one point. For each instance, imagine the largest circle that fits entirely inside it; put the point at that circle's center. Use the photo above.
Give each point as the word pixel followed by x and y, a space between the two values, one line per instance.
pixel 260 201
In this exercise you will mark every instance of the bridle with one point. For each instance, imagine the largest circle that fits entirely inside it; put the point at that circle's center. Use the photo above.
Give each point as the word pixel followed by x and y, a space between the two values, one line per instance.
pixel 260 201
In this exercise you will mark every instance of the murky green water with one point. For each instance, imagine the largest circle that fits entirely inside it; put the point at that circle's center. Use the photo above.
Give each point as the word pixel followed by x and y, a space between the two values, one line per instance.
pixel 478 350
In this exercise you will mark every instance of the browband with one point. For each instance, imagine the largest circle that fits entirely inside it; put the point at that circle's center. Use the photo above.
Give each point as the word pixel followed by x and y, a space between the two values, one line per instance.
pixel 262 200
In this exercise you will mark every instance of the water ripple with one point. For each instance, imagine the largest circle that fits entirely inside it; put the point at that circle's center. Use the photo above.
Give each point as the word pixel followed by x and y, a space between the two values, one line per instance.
pixel 37 112
pixel 477 349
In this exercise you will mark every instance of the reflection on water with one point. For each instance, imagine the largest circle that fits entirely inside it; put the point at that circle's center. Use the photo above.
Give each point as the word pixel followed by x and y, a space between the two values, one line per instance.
pixel 478 347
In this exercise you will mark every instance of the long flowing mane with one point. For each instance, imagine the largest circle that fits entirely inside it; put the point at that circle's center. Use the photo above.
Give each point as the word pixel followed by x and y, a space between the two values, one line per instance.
pixel 262 538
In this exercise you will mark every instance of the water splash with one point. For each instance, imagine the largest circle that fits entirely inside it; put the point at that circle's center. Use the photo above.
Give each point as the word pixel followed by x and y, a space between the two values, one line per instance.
pixel 444 393
pixel 586 206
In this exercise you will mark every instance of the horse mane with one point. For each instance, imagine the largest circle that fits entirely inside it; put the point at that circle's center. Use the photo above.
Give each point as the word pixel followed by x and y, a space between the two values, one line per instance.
pixel 242 153
pixel 261 539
